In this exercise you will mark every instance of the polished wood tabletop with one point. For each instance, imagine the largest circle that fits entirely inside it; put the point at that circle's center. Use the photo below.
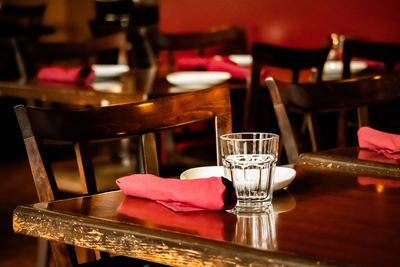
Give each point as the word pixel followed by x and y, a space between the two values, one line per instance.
pixel 323 218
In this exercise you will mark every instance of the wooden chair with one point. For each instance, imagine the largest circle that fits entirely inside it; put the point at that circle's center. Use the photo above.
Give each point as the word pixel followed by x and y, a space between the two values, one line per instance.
pixel 313 98
pixel 83 52
pixel 81 128
pixel 256 113
pixel 220 40
pixel 229 39
pixel 387 53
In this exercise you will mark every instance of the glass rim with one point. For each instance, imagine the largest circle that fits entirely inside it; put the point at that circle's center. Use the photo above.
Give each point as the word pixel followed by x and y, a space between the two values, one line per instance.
pixel 269 136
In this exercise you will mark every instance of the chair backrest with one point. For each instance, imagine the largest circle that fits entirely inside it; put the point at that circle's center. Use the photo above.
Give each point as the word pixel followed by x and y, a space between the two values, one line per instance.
pixel 83 51
pixel 289 58
pixel 313 98
pixel 25 15
pixel 230 38
pixel 387 53
pixel 282 57
pixel 82 127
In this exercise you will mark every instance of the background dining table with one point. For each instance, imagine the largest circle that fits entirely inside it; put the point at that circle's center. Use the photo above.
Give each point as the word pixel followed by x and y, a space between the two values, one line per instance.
pixel 326 216
pixel 136 85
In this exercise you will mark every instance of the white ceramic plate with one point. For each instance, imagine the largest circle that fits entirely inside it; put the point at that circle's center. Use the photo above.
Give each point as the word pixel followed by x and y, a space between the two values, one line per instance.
pixel 197 79
pixel 107 71
pixel 242 60
pixel 283 175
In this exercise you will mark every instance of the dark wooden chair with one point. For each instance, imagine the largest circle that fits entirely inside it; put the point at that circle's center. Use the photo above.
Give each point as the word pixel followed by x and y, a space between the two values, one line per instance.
pixel 228 40
pixel 334 96
pixel 82 52
pixel 257 114
pixel 82 128
pixel 387 53
pixel 217 40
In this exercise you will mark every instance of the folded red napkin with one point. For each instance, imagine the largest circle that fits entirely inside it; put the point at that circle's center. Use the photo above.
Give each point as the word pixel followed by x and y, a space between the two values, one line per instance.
pixel 222 64
pixel 216 63
pixel 192 63
pixel 214 193
pixel 372 64
pixel 66 75
pixel 210 224
pixel 381 142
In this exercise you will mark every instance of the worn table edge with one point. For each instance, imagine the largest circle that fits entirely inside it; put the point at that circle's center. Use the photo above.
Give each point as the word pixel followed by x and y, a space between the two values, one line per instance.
pixel 153 245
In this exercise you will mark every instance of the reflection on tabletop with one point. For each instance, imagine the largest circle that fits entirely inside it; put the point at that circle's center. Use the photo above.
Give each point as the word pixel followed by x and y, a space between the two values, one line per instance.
pixel 253 229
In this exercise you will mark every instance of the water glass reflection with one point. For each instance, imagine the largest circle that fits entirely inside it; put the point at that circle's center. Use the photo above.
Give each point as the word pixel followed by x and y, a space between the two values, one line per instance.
pixel 256 229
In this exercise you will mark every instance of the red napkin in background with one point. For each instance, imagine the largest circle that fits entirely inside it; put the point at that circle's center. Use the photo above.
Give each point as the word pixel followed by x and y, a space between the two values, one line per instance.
pixel 209 224
pixel 216 63
pixel 192 63
pixel 223 64
pixel 214 193
pixel 372 64
pixel 66 75
pixel 381 142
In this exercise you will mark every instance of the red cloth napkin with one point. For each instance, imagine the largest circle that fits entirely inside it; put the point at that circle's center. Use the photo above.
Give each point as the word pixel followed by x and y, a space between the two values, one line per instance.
pixel 192 63
pixel 223 64
pixel 210 224
pixel 381 142
pixel 372 64
pixel 214 193
pixel 216 63
pixel 66 75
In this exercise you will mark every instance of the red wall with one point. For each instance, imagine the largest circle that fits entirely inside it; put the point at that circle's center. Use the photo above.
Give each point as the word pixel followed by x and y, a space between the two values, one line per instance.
pixel 296 23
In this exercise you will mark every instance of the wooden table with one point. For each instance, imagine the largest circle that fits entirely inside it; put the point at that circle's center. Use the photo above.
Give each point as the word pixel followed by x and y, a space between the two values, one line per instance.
pixel 131 87
pixel 324 218
pixel 135 86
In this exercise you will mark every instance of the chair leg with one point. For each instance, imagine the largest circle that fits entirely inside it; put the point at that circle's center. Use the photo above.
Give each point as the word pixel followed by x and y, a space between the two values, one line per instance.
pixel 313 129
pixel 43 253
pixel 23 77
pixel 363 118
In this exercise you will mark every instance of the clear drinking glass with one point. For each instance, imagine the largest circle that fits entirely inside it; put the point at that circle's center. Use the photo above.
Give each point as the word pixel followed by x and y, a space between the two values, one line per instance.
pixel 249 161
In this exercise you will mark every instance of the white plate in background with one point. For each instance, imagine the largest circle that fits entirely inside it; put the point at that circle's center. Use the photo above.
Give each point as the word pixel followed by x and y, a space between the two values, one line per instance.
pixel 242 60
pixel 333 68
pixel 109 70
pixel 283 175
pixel 197 79
pixel 108 86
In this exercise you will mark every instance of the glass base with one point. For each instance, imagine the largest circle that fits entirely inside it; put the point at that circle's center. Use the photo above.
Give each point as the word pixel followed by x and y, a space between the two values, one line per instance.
pixel 252 206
